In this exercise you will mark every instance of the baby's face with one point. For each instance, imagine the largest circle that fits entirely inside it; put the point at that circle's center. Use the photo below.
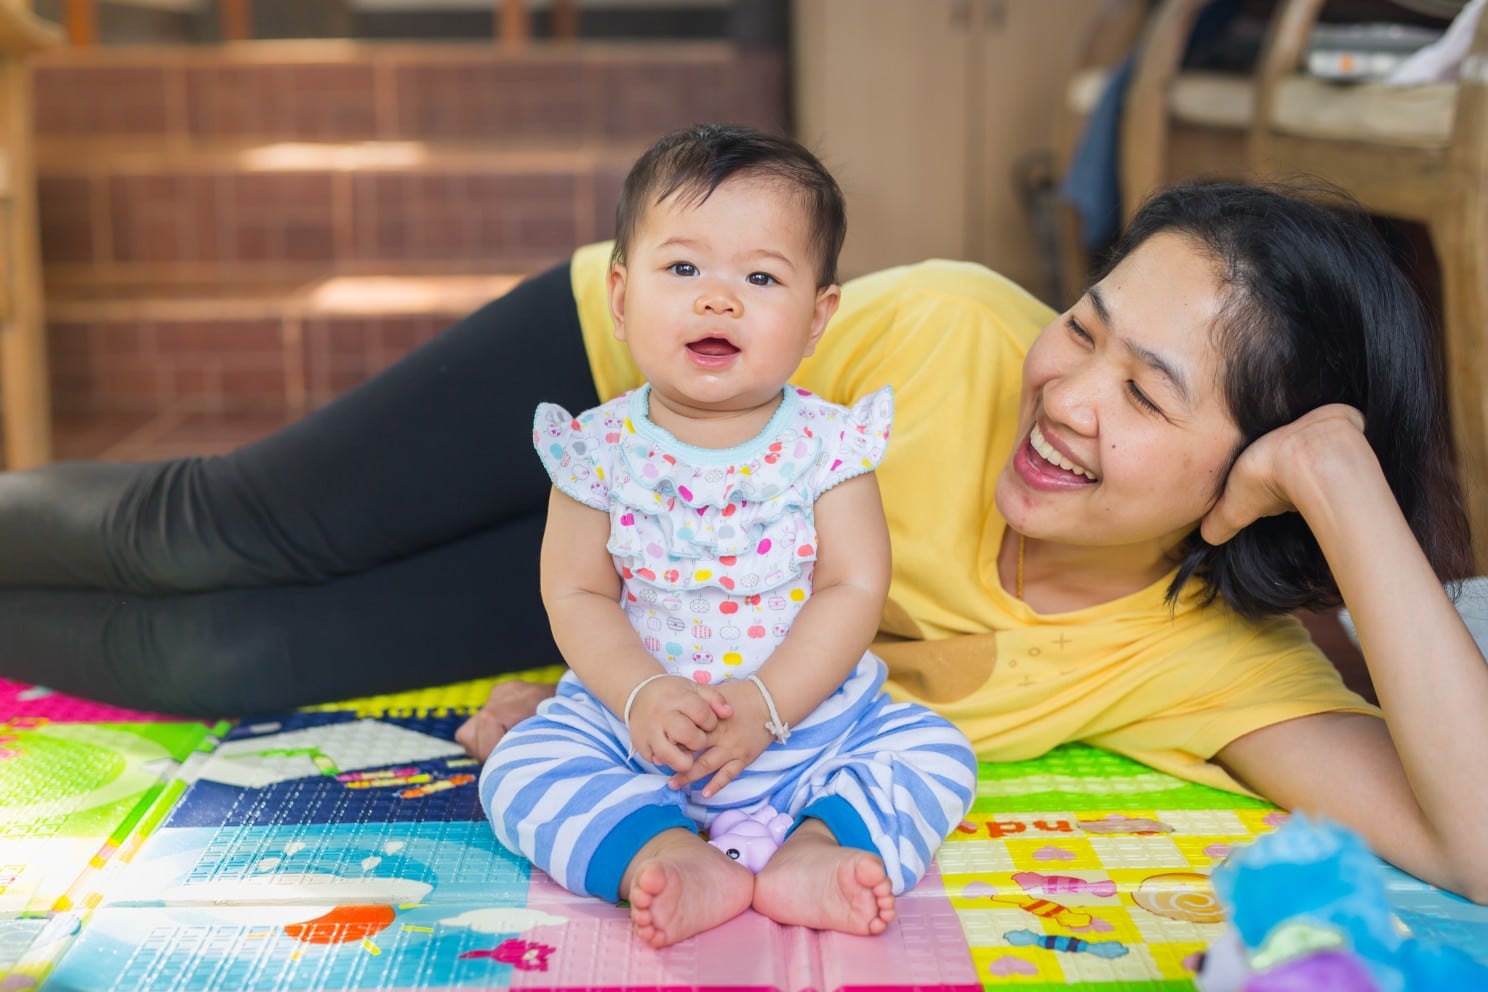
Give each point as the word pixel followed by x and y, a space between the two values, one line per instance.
pixel 717 301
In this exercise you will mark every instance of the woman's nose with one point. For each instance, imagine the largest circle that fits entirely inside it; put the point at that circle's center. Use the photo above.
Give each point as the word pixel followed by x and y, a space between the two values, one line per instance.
pixel 1073 400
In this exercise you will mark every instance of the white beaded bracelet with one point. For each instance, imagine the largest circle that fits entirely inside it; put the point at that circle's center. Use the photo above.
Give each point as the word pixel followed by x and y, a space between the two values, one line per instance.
pixel 630 701
pixel 777 727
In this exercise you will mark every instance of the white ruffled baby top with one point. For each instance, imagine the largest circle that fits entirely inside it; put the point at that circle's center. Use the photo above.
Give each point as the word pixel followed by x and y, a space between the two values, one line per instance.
pixel 715 547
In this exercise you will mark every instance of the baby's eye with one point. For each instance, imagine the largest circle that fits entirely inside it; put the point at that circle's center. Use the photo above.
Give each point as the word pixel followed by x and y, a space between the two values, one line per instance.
pixel 761 279
pixel 682 269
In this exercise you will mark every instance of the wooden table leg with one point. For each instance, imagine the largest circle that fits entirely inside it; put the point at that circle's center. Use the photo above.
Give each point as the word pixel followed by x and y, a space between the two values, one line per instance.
pixel 81 18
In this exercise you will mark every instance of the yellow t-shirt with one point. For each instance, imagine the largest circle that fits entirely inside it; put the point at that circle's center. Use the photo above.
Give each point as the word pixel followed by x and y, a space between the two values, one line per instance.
pixel 1167 686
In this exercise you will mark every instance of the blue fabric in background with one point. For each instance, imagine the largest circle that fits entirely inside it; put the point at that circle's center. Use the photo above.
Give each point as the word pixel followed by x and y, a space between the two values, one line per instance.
pixel 1093 184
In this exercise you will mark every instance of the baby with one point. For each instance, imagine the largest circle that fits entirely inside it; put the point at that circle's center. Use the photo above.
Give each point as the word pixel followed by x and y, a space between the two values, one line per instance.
pixel 714 567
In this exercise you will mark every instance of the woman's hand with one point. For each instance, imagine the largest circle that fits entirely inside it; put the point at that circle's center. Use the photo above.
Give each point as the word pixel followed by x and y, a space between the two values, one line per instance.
pixel 734 744
pixel 510 702
pixel 1274 470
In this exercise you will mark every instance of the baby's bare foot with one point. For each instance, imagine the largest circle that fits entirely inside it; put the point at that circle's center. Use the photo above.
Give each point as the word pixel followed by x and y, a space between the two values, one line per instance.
pixel 813 881
pixel 511 701
pixel 683 888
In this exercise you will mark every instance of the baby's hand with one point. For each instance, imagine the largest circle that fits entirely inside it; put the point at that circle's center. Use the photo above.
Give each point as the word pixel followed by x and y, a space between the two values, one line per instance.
pixel 733 744
pixel 671 718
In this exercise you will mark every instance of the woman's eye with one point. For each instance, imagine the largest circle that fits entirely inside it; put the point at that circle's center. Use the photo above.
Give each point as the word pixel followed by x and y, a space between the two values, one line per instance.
pixel 1141 398
pixel 682 269
pixel 761 279
pixel 1076 329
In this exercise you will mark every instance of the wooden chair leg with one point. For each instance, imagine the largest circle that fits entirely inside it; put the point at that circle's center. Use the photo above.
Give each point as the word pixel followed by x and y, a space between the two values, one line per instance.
pixel 1463 253
pixel 81 17
pixel 237 20
pixel 25 396
pixel 513 23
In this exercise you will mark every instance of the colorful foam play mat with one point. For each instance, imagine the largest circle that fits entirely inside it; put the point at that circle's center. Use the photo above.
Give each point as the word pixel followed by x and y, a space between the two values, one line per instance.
pixel 342 847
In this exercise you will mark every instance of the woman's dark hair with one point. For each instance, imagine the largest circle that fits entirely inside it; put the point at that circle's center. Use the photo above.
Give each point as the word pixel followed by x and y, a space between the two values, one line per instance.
pixel 1317 312
pixel 695 161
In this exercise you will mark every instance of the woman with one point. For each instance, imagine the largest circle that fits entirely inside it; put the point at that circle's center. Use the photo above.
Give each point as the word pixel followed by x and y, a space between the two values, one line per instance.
pixel 1098 530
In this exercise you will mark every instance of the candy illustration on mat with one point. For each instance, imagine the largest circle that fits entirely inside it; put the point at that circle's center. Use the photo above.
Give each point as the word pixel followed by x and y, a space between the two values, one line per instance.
pixel 1032 881
pixel 1009 965
pixel 1180 895
pixel 438 785
pixel 1116 823
pixel 1069 945
pixel 1062 915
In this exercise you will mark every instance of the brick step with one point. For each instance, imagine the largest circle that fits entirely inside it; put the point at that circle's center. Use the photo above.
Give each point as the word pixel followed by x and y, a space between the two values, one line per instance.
pixel 369 91
pixel 275 348
pixel 234 213
pixel 255 228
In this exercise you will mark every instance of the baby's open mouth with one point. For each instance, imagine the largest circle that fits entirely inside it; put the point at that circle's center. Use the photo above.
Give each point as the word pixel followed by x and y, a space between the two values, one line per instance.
pixel 713 347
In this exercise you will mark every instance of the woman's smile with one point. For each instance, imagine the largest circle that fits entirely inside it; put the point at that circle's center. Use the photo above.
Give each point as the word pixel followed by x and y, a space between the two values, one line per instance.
pixel 1051 454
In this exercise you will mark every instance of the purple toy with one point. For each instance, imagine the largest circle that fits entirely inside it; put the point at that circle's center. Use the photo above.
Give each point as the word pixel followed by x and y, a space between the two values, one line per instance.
pixel 749 838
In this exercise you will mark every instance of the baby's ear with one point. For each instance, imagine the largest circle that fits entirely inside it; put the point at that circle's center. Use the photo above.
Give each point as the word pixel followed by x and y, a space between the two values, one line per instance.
pixel 616 289
pixel 827 299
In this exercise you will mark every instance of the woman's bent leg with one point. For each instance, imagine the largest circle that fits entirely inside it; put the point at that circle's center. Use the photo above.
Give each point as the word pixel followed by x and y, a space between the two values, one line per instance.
pixel 437 446
pixel 465 610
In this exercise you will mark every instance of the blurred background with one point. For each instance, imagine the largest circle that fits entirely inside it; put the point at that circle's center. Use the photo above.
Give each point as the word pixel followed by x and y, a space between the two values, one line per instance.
pixel 220 214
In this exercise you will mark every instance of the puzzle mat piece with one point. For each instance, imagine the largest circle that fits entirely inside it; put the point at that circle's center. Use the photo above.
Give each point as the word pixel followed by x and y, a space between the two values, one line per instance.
pixel 266 753
pixel 333 767
pixel 1437 916
pixel 77 779
pixel 456 699
pixel 37 702
pixel 345 864
pixel 71 794
pixel 1078 777
pixel 37 875
pixel 1113 897
pixel 553 939
pixel 1022 881
pixel 31 944
pixel 17 934
pixel 271 947
pixel 924 949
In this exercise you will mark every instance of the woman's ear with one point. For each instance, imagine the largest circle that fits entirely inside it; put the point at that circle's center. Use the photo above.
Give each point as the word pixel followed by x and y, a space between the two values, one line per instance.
pixel 827 299
pixel 617 299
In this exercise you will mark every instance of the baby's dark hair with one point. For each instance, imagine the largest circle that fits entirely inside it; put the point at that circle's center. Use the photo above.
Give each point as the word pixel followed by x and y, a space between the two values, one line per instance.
pixel 693 162
pixel 1317 313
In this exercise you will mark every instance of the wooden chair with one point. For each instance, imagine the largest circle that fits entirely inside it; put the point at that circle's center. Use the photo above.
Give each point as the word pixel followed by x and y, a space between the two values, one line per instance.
pixel 25 396
pixel 1416 154
pixel 1111 37
pixel 1180 123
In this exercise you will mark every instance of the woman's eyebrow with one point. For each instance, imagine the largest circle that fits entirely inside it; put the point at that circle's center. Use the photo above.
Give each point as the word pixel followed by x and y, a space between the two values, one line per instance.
pixel 1145 355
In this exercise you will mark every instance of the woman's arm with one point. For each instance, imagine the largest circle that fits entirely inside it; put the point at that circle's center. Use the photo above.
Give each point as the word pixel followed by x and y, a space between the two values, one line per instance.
pixel 581 591
pixel 1410 784
pixel 826 639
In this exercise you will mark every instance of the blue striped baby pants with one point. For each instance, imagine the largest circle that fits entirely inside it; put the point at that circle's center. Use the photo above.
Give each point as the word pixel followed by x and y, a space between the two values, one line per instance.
pixel 891 778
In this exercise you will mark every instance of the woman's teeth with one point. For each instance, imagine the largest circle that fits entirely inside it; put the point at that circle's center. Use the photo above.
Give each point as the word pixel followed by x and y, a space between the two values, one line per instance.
pixel 1047 452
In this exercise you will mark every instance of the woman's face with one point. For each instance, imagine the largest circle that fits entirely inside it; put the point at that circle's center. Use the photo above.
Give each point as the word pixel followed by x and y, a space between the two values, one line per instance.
pixel 1124 435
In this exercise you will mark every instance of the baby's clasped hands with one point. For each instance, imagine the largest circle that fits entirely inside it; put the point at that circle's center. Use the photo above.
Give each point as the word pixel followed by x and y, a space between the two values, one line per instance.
pixel 669 718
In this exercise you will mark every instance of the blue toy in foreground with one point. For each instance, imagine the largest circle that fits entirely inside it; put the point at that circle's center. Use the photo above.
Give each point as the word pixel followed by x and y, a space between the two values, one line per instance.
pixel 1308 910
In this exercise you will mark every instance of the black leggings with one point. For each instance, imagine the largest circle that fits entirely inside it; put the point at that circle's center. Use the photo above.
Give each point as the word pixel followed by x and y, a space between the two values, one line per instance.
pixel 386 541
